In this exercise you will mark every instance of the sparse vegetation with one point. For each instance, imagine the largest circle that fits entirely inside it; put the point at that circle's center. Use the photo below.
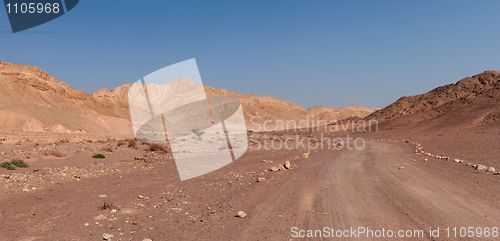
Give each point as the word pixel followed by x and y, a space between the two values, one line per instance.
pixel 99 156
pixel 7 165
pixel 108 206
pixel 19 163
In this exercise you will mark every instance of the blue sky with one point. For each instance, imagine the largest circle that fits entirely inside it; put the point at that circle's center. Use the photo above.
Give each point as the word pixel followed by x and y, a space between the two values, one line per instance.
pixel 310 52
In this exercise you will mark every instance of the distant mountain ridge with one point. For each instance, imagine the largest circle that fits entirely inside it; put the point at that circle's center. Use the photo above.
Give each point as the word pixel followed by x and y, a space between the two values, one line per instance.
pixel 31 100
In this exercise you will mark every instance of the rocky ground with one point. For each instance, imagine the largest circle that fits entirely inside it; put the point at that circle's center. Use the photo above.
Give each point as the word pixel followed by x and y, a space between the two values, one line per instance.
pixel 135 192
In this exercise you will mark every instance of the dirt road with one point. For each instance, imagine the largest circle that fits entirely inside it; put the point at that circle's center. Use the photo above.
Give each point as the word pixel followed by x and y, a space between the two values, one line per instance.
pixel 384 185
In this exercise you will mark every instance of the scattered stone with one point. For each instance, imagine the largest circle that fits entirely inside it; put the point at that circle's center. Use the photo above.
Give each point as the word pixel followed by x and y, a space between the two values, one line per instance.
pixel 86 224
pixel 100 217
pixel 241 214
pixel 128 211
pixel 458 161
pixel 274 169
pixel 102 195
pixel 147 239
pixel 267 161
pixel 107 236
pixel 401 167
pixel 261 179
pixel 143 197
pixel 481 167
pixel 491 169
pixel 306 155
pixel 287 165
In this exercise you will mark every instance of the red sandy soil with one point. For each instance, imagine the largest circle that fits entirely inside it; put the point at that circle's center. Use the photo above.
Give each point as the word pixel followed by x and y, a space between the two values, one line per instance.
pixel 383 185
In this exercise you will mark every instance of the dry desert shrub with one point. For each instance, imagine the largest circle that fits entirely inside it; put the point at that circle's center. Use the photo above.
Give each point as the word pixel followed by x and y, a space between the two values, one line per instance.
pixel 8 166
pixel 13 164
pixel 19 163
pixel 99 156
pixel 108 206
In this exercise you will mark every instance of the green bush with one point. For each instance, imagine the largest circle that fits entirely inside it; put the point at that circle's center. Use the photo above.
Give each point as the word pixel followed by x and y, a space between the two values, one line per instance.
pixel 7 166
pixel 99 156
pixel 19 163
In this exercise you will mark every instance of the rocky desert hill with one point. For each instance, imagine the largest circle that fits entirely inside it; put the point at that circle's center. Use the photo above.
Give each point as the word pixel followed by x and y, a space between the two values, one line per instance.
pixel 460 119
pixel 31 100
pixel 328 113
pixel 278 113
pixel 471 101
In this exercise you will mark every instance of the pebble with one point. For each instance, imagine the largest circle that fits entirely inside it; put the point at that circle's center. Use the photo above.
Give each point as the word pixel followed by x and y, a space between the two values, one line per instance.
pixel 107 236
pixel 287 165
pixel 241 214
pixel 481 167
pixel 100 217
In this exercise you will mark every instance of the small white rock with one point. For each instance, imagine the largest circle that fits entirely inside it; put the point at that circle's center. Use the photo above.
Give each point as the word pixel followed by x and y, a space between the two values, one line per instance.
pixel 241 214
pixel 481 167
pixel 287 165
pixel 107 236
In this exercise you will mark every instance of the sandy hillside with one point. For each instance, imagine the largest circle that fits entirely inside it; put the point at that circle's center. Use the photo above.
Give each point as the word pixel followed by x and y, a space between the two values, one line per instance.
pixel 34 101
